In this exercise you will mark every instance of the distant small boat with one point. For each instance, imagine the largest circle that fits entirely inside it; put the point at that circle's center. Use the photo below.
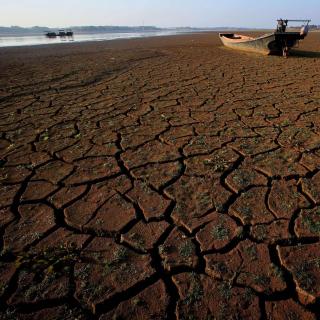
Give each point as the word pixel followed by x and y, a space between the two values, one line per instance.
pixel 61 33
pixel 278 42
pixel 51 35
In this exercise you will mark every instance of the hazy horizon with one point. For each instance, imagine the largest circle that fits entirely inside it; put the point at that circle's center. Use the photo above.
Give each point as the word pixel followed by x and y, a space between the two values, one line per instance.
pixel 168 13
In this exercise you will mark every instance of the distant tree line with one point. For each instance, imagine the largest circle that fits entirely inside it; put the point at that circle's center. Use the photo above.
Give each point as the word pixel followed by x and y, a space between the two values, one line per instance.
pixel 314 27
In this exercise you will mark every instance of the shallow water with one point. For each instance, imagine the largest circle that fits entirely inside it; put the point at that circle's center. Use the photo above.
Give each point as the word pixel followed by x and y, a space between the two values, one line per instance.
pixel 14 41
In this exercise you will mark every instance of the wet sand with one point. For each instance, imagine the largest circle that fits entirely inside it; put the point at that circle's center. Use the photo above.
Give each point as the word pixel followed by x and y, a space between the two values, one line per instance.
pixel 159 178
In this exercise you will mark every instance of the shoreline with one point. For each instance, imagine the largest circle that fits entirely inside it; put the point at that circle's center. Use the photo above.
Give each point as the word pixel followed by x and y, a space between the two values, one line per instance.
pixel 99 41
pixel 146 36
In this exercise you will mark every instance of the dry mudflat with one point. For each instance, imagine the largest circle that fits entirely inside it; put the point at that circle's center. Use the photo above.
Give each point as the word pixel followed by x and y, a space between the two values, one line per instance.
pixel 161 178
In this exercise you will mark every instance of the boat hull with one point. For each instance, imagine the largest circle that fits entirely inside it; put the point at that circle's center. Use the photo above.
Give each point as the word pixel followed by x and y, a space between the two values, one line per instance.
pixel 273 43
pixel 51 35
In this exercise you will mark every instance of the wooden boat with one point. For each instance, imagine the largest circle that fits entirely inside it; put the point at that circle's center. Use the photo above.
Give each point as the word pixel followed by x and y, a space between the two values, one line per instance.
pixel 278 42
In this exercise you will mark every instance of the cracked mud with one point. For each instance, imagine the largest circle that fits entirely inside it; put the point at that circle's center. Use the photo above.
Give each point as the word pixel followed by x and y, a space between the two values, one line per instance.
pixel 164 178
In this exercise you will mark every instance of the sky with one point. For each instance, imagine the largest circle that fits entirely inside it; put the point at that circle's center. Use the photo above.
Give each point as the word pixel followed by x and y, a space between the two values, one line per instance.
pixel 161 13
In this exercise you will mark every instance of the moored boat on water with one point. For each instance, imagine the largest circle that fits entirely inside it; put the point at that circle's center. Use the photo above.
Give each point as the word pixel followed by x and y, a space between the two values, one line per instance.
pixel 62 33
pixel 278 42
pixel 51 35
pixel 69 33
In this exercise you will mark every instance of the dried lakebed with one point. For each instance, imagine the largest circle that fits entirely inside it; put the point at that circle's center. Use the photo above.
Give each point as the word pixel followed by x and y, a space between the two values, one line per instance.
pixel 165 178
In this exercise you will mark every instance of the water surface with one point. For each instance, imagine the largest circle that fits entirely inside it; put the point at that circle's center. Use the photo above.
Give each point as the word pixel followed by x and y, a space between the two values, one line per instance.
pixel 14 41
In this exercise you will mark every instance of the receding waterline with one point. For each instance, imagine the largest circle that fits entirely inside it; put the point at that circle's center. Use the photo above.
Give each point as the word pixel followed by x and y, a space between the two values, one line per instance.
pixel 16 41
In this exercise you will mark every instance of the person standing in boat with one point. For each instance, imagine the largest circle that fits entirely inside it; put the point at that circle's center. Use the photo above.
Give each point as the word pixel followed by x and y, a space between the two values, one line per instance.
pixel 282 25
